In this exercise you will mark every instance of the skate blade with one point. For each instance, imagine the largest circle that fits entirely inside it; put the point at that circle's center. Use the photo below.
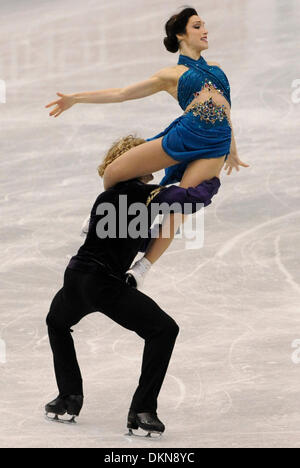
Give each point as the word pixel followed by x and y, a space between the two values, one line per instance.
pixel 145 434
pixel 55 418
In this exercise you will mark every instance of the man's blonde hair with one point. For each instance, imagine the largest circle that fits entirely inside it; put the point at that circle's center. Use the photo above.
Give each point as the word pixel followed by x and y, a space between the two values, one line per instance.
pixel 119 147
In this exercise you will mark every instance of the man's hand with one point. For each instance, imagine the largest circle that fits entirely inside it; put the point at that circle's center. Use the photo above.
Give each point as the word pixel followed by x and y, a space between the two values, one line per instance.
pixel 233 161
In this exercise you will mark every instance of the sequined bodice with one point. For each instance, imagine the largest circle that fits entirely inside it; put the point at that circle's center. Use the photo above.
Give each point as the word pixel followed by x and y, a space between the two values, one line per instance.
pixel 200 75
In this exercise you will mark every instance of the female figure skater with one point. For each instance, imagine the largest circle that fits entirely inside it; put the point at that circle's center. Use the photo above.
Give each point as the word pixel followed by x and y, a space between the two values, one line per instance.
pixel 196 145
pixel 95 280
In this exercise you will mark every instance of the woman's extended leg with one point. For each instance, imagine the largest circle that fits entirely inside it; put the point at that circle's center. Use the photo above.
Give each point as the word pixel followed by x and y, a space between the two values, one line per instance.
pixel 138 161
pixel 196 172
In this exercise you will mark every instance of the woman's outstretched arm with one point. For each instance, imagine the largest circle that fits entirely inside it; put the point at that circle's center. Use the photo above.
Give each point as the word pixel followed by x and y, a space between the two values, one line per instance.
pixel 160 81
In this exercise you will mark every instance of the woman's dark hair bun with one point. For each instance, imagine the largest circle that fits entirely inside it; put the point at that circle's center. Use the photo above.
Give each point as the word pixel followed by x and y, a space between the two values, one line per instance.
pixel 171 43
pixel 177 25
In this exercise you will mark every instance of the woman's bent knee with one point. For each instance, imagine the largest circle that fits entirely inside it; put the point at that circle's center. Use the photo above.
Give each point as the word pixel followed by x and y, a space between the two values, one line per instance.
pixel 109 177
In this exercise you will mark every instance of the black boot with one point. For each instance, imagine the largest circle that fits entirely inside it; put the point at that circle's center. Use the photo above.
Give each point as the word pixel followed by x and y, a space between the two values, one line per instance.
pixel 147 421
pixel 71 404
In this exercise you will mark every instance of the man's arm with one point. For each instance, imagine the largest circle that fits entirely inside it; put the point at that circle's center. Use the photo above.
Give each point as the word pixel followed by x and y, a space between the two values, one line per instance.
pixel 201 194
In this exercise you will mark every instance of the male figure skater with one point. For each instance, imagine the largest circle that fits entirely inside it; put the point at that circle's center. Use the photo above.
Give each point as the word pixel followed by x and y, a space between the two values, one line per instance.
pixel 95 280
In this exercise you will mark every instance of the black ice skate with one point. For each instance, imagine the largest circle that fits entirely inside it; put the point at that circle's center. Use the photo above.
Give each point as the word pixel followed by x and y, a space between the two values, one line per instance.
pixel 149 422
pixel 70 405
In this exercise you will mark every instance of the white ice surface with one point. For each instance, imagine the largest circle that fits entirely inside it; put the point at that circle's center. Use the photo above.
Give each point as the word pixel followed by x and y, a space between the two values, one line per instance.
pixel 231 381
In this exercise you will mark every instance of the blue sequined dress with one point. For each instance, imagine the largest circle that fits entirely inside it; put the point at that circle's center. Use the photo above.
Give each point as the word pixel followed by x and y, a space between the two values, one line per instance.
pixel 204 130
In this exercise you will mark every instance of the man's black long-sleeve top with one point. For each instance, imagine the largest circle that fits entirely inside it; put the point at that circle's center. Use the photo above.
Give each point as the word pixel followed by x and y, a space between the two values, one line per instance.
pixel 118 253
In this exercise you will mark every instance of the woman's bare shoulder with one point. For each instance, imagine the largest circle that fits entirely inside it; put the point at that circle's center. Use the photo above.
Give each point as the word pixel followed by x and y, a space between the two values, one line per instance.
pixel 170 72
pixel 175 71
pixel 214 64
pixel 170 76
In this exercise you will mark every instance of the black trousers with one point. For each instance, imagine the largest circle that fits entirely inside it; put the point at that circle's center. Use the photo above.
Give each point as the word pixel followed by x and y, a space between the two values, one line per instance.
pixel 84 292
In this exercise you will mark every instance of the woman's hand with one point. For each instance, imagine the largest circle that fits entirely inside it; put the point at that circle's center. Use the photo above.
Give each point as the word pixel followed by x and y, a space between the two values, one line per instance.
pixel 65 102
pixel 233 161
